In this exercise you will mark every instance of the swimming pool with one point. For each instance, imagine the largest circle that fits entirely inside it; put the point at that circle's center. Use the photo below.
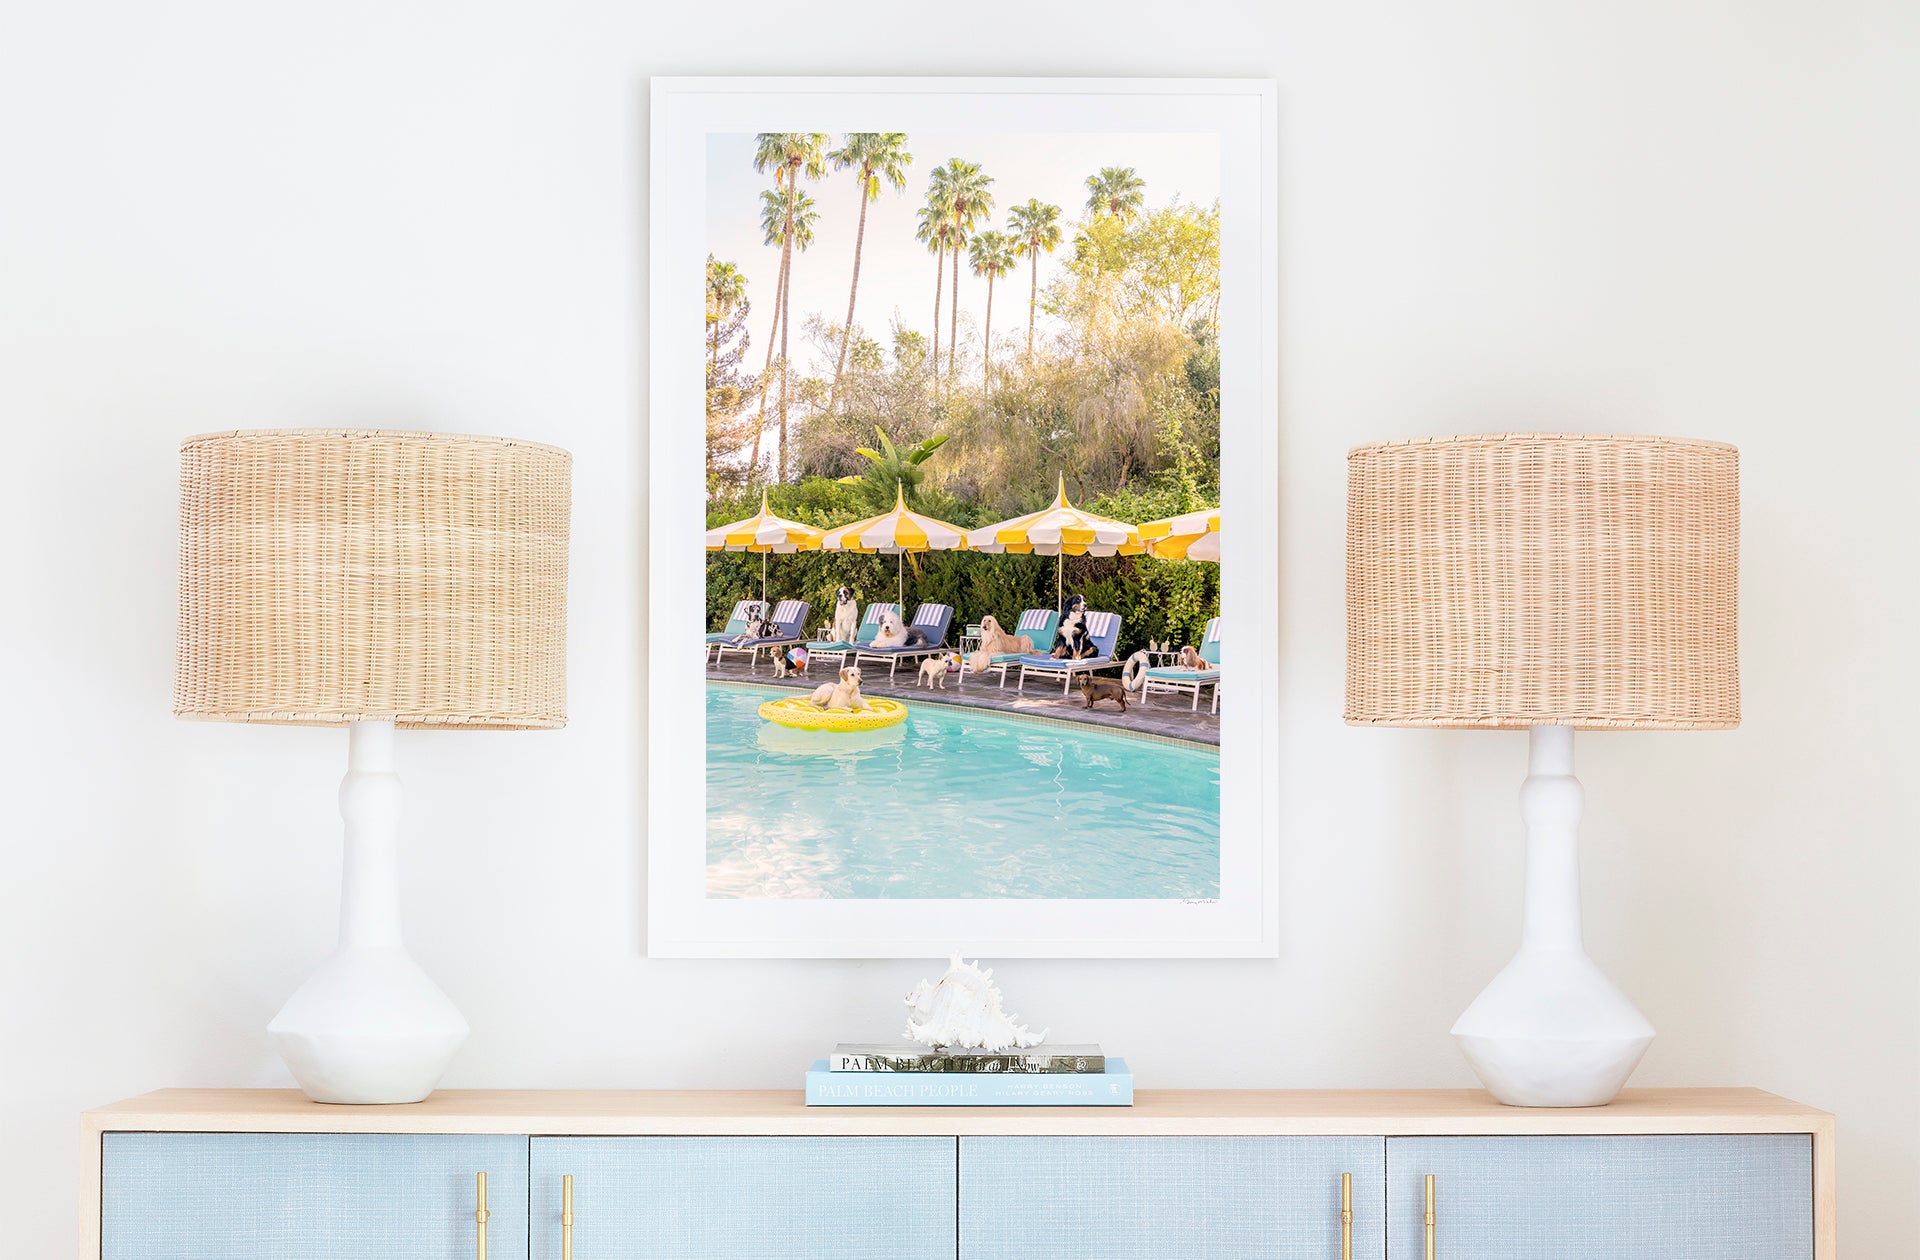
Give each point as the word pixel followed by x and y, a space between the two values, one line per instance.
pixel 955 802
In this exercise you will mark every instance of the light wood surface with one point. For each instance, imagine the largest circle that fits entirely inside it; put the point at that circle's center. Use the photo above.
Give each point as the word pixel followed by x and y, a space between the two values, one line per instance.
pixel 592 1113
pixel 1164 1112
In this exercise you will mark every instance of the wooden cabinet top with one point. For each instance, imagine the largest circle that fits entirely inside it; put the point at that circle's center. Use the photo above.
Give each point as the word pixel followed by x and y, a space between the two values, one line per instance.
pixel 1390 1112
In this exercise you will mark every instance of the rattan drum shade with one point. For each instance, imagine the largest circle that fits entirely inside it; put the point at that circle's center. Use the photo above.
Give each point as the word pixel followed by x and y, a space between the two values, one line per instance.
pixel 1515 580
pixel 330 575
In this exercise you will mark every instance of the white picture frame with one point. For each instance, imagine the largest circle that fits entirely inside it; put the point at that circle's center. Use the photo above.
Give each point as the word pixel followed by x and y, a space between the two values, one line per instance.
pixel 682 921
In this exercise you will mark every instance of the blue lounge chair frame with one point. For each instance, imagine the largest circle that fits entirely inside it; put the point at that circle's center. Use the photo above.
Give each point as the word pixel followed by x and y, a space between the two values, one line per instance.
pixel 934 619
pixel 790 615
pixel 1174 678
pixel 1038 624
pixel 828 649
pixel 1105 629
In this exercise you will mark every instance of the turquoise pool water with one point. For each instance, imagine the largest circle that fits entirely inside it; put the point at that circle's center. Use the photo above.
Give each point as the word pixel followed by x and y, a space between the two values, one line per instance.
pixel 953 803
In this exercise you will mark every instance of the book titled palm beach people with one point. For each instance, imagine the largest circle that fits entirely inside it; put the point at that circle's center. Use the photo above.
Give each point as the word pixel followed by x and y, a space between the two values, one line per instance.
pixel 1110 1088
pixel 896 1057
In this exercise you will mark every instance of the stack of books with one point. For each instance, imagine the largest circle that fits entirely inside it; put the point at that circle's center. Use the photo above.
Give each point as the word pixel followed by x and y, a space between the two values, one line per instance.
pixel 902 1075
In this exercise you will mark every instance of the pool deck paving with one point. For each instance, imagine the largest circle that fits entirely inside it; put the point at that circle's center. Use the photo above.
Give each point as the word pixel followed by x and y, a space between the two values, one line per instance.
pixel 1167 716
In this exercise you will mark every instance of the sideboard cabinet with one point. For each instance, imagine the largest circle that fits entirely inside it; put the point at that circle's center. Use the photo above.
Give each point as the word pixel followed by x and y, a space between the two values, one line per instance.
pixel 1207 1175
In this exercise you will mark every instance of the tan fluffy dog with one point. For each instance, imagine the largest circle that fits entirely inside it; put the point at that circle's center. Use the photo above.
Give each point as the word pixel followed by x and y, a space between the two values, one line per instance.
pixel 843 696
pixel 995 642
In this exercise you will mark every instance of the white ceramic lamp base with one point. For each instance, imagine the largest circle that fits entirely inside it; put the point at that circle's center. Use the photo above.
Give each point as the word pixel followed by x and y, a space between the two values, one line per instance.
pixel 369 1026
pixel 1552 1030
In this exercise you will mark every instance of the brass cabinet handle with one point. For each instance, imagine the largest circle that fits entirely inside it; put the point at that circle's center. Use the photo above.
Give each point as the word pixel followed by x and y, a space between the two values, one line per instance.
pixel 1429 1216
pixel 480 1215
pixel 566 1217
pixel 1346 1216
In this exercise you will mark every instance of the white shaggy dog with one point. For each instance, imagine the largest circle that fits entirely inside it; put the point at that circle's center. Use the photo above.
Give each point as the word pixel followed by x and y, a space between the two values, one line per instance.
pixel 893 633
pixel 843 696
pixel 934 669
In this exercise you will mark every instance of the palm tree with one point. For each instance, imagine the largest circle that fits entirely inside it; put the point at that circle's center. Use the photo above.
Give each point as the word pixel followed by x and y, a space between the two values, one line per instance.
pixel 992 255
pixel 1034 227
pixel 726 289
pixel 969 204
pixel 934 223
pixel 789 154
pixel 786 221
pixel 1117 191
pixel 878 155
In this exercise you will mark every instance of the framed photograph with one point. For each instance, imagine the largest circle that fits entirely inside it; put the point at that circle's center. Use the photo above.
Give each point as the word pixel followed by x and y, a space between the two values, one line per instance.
pixel 979 531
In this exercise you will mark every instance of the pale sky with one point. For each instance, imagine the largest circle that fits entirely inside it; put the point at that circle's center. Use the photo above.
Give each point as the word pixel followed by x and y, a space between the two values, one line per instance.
pixel 896 271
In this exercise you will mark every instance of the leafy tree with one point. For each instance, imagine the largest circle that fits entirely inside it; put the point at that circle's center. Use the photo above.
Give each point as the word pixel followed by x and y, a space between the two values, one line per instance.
pixel 991 254
pixel 1034 227
pixel 789 154
pixel 726 289
pixel 875 156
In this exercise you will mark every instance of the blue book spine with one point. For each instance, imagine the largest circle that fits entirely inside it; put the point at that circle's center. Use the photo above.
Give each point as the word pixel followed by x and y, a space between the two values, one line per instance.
pixel 1112 1088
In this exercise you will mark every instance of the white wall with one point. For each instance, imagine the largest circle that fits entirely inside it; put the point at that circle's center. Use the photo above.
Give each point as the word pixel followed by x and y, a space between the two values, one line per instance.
pixel 1633 215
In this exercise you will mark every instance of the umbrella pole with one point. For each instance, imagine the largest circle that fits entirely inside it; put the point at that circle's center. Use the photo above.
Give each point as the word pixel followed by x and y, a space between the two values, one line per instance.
pixel 900 579
pixel 763 583
pixel 1059 565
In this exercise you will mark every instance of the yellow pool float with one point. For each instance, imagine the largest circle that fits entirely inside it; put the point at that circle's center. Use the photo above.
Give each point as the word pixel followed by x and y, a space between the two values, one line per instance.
pixel 802 714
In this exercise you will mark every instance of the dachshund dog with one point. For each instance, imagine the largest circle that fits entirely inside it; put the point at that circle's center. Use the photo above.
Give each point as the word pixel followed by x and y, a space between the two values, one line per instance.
pixel 1075 641
pixel 1095 689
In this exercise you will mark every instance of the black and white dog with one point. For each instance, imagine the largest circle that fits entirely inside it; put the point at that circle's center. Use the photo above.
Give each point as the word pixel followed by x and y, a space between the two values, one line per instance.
pixel 1075 641
pixel 846 615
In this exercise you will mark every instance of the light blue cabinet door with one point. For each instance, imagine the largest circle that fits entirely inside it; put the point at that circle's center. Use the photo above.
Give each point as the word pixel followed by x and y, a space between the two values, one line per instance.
pixel 299 1196
pixel 1172 1198
pixel 724 1198
pixel 1734 1197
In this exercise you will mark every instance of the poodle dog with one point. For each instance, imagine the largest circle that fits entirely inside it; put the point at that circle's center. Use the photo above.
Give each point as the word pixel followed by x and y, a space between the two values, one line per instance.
pixel 1075 641
pixel 846 616
pixel 935 668
pixel 996 642
pixel 894 634
pixel 843 696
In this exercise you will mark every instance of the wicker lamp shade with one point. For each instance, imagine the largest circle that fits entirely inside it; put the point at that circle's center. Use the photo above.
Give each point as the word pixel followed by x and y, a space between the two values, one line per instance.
pixel 335 575
pixel 1515 580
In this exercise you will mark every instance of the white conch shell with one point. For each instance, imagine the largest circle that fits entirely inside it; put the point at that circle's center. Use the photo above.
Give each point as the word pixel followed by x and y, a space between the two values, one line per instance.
pixel 961 1011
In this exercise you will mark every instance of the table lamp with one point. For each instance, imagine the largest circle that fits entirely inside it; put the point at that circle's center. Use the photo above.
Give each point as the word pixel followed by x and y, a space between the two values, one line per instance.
pixel 1551 582
pixel 372 580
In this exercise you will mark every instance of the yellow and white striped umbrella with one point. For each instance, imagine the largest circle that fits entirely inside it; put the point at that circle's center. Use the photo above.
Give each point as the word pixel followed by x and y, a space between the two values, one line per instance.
pixel 761 533
pixel 1061 530
pixel 895 533
pixel 1189 536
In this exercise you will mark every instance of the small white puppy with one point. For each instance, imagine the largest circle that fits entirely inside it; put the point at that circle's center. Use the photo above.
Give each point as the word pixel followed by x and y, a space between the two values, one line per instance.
pixel 934 669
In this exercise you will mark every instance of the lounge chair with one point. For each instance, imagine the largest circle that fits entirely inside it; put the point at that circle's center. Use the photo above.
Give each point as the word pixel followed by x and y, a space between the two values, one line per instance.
pixel 1105 629
pixel 823 649
pixel 1174 678
pixel 736 625
pixel 1038 624
pixel 934 619
pixel 790 615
